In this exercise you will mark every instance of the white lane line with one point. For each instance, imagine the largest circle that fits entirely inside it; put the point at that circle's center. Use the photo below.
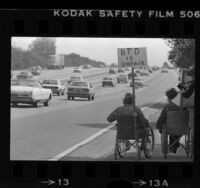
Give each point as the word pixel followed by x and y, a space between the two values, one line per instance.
pixel 66 152
pixel 73 148
pixel 144 108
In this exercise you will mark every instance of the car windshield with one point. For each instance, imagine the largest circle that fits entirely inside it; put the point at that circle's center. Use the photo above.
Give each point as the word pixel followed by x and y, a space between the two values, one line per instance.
pixel 80 84
pixel 30 83
pixel 107 78
pixel 53 82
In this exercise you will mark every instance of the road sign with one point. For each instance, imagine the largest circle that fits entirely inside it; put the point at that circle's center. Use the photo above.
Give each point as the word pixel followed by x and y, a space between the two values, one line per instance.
pixel 132 57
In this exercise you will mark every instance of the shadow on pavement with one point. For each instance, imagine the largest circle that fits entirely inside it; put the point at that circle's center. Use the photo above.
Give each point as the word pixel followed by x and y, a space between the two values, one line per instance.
pixel 22 106
pixel 96 125
pixel 65 99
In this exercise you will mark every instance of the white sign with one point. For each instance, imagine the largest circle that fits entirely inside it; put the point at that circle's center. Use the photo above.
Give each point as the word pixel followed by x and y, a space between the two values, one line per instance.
pixel 132 57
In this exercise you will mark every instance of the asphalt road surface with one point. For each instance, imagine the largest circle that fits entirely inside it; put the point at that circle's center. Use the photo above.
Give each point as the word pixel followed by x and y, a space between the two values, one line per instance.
pixel 77 130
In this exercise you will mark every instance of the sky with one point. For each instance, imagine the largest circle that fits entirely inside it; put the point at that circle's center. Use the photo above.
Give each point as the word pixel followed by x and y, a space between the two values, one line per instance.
pixel 104 49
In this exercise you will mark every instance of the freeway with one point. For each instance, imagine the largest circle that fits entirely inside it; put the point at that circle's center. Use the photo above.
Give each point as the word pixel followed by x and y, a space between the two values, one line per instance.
pixel 45 133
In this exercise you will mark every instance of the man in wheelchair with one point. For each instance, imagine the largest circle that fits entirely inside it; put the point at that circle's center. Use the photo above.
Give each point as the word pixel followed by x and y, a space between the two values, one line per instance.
pixel 126 111
pixel 187 91
pixel 171 95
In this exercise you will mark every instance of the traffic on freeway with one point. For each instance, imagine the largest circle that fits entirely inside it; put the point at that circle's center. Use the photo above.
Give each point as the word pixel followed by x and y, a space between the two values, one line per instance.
pixel 101 113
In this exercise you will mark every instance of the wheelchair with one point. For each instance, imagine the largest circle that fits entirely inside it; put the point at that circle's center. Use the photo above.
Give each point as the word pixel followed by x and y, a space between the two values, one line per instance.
pixel 136 137
pixel 177 124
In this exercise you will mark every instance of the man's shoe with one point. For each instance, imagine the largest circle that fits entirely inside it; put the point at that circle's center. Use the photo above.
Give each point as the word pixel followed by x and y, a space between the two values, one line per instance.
pixel 172 150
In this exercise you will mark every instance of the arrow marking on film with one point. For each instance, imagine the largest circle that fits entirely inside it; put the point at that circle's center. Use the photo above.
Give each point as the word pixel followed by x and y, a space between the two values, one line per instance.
pixel 50 182
pixel 141 182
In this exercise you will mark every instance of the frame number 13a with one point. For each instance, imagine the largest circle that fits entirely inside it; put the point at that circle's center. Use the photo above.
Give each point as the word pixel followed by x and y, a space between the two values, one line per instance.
pixel 158 183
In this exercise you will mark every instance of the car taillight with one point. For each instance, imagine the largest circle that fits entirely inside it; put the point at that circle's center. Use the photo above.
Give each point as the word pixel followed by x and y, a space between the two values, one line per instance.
pixel 86 90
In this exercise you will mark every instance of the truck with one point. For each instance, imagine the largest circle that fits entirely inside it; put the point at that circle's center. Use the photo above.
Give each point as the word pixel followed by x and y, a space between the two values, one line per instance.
pixel 56 61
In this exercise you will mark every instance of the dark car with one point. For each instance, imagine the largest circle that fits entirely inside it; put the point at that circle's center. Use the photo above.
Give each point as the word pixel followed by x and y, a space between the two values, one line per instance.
pixel 120 71
pixel 77 70
pixel 36 71
pixel 130 75
pixel 112 71
pixel 82 89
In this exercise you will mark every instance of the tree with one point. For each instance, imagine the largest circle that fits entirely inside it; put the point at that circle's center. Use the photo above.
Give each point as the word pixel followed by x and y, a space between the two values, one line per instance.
pixel 182 53
pixel 43 46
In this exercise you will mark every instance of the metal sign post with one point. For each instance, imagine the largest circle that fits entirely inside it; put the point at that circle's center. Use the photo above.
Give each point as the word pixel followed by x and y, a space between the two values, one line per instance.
pixel 135 58
pixel 134 112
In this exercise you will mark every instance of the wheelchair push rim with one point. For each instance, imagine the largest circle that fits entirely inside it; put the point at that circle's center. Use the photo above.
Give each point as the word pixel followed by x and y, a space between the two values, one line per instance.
pixel 149 142
pixel 189 144
pixel 164 142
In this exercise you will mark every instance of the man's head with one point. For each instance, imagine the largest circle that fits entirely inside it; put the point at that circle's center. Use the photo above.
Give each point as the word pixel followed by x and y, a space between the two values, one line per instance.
pixel 171 93
pixel 128 99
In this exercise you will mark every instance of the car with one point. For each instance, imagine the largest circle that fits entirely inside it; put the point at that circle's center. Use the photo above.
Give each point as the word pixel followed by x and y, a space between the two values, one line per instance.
pixel 112 71
pixel 74 78
pixel 108 81
pixel 38 67
pixel 120 70
pixel 77 70
pixel 56 86
pixel 164 70
pixel 139 82
pixel 144 73
pixel 122 78
pixel 35 71
pixel 127 69
pixel 150 71
pixel 86 67
pixel 82 89
pixel 138 71
pixel 130 75
pixel 29 92
pixel 25 75
pixel 155 68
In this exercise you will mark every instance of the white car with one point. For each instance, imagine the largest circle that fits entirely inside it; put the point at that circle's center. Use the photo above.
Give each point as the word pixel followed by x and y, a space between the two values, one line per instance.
pixel 29 92
pixel 164 70
pixel 122 78
pixel 144 73
pixel 57 86
pixel 139 82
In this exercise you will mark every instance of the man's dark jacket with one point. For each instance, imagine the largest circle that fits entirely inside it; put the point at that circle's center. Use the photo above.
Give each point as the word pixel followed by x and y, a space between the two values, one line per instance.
pixel 127 111
pixel 163 116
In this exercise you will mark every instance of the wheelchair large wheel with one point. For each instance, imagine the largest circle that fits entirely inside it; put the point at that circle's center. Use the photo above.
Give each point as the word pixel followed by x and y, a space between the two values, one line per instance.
pixel 164 142
pixel 189 141
pixel 121 148
pixel 149 142
pixel 138 153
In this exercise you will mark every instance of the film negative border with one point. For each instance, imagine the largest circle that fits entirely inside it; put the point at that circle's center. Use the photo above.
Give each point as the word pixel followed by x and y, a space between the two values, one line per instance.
pixel 94 174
